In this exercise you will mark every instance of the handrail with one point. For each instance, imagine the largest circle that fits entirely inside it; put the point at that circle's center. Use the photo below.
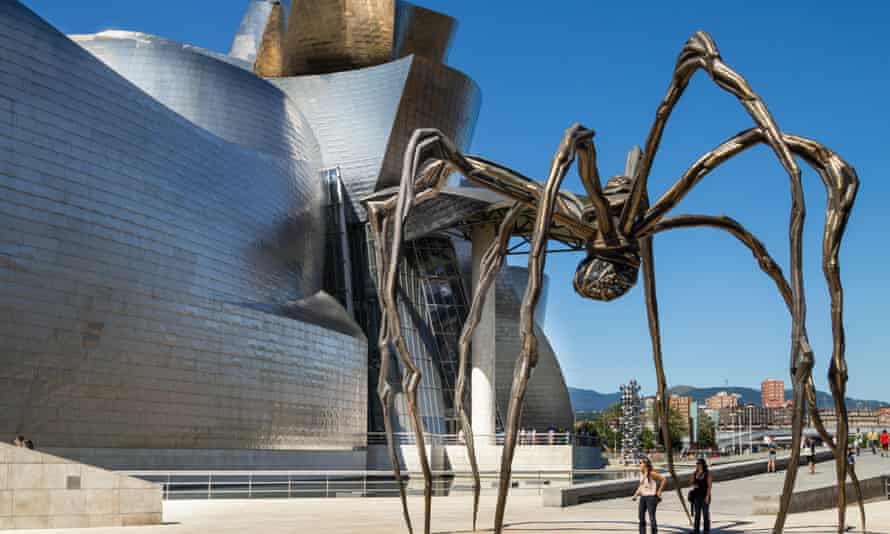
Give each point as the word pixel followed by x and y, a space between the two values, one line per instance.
pixel 525 438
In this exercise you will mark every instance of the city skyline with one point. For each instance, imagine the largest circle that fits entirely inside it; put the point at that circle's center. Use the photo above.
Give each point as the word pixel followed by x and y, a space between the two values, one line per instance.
pixel 721 317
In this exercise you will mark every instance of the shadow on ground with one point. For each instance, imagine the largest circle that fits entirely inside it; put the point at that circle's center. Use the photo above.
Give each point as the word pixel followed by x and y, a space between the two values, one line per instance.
pixel 735 527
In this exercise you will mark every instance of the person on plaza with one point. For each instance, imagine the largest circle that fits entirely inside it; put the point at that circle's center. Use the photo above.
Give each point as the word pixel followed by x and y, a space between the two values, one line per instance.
pixel 859 437
pixel 700 496
pixel 649 493
pixel 771 458
pixel 19 441
pixel 885 443
pixel 851 458
pixel 873 441
pixel 810 448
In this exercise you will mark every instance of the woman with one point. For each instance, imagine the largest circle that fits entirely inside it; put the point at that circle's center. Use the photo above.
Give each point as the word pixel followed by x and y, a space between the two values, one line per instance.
pixel 701 495
pixel 809 447
pixel 649 491
pixel 771 462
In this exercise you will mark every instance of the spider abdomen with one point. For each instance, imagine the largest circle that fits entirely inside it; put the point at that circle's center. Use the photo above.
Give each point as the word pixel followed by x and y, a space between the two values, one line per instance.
pixel 607 276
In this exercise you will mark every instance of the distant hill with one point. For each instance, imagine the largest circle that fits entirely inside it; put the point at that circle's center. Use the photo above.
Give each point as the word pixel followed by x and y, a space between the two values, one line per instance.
pixel 586 400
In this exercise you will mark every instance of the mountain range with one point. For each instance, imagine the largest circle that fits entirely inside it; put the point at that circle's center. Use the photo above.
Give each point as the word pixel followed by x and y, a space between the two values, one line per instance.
pixel 588 400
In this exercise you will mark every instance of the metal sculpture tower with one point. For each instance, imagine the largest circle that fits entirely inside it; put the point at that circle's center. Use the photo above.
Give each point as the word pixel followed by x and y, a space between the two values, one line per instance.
pixel 630 422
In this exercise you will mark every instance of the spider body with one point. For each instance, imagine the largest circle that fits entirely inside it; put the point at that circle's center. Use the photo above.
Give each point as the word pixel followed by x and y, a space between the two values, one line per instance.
pixel 607 274
pixel 617 222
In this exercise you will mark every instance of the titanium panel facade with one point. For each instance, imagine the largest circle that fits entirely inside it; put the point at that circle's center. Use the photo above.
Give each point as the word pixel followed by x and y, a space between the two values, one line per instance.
pixel 249 37
pixel 364 118
pixel 547 400
pixel 338 35
pixel 229 102
pixel 147 265
pixel 352 115
pixel 422 32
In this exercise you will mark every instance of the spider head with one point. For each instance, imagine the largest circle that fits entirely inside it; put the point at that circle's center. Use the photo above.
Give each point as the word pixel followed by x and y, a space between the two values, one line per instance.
pixel 607 275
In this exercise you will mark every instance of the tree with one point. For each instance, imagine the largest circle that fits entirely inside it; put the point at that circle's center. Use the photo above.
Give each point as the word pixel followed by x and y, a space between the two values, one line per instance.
pixel 707 435
pixel 648 439
pixel 676 425
pixel 605 425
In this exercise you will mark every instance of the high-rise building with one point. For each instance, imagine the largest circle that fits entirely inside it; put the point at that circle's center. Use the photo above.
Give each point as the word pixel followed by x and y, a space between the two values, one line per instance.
pixel 682 405
pixel 723 400
pixel 772 393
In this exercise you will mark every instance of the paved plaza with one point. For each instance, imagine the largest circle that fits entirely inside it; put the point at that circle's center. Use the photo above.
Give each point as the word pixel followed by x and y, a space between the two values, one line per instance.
pixel 732 508
pixel 451 515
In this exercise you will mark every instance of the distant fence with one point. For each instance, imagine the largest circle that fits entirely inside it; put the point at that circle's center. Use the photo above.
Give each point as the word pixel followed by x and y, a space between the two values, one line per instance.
pixel 339 484
pixel 526 438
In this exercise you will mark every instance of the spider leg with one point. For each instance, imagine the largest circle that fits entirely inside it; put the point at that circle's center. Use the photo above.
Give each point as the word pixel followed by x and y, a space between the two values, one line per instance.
pixel 700 52
pixel 528 356
pixel 662 399
pixel 385 391
pixel 841 184
pixel 492 261
pixel 771 269
pixel 420 144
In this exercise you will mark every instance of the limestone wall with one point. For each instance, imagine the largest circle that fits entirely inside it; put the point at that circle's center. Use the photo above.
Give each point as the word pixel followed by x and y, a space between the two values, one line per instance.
pixel 38 490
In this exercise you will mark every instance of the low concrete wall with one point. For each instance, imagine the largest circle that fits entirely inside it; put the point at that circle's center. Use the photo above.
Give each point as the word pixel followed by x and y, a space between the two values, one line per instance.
pixel 454 458
pixel 38 490
pixel 611 489
pixel 823 498
pixel 119 459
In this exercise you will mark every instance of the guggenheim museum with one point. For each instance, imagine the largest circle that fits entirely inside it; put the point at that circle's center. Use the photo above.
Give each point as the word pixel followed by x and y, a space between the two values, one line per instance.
pixel 186 279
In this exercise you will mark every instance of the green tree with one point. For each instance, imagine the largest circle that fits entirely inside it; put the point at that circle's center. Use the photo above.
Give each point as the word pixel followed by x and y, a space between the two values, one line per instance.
pixel 676 425
pixel 648 439
pixel 606 425
pixel 707 436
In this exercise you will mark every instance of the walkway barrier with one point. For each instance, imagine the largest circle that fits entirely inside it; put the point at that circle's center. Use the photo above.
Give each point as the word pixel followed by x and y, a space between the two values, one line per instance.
pixel 526 438
pixel 330 484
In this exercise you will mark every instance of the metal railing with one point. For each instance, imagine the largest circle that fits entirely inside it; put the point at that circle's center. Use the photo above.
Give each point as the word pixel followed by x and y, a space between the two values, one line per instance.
pixel 526 438
pixel 331 484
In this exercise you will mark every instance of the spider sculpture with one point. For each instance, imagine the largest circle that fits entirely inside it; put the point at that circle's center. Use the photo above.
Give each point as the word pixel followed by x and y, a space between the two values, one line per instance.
pixel 617 224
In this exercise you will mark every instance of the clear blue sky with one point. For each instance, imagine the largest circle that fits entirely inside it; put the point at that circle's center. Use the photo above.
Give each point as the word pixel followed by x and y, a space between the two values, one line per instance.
pixel 824 71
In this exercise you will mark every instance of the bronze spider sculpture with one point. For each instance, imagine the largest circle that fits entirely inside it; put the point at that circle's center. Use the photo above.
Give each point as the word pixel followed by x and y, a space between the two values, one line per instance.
pixel 617 223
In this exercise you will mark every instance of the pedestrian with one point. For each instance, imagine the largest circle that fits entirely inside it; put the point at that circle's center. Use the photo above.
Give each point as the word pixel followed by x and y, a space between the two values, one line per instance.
pixel 859 439
pixel 771 458
pixel 810 449
pixel 700 496
pixel 873 441
pixel 19 441
pixel 885 443
pixel 851 458
pixel 649 492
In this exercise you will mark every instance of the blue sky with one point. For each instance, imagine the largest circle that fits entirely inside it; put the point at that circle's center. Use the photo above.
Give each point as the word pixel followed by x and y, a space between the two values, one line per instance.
pixel 823 70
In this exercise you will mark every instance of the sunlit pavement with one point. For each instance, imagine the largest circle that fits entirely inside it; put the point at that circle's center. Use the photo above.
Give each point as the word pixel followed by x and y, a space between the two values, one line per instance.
pixel 453 515
pixel 732 508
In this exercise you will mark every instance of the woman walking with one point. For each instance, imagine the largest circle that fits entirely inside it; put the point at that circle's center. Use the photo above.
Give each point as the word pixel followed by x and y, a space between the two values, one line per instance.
pixel 701 496
pixel 649 491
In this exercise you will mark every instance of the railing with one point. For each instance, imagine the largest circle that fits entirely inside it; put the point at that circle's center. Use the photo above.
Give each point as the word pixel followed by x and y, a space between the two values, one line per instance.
pixel 524 439
pixel 330 484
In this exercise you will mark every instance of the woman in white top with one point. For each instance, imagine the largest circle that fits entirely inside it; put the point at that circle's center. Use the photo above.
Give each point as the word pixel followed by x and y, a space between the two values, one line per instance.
pixel 649 491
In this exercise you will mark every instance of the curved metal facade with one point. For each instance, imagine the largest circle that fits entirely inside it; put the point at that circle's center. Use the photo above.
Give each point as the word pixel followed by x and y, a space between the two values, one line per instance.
pixel 151 239
pixel 394 99
pixel 337 35
pixel 547 400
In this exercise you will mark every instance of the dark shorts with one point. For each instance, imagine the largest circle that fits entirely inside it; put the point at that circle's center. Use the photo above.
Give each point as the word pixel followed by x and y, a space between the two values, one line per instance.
pixel 885 446
pixel 772 455
pixel 811 459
